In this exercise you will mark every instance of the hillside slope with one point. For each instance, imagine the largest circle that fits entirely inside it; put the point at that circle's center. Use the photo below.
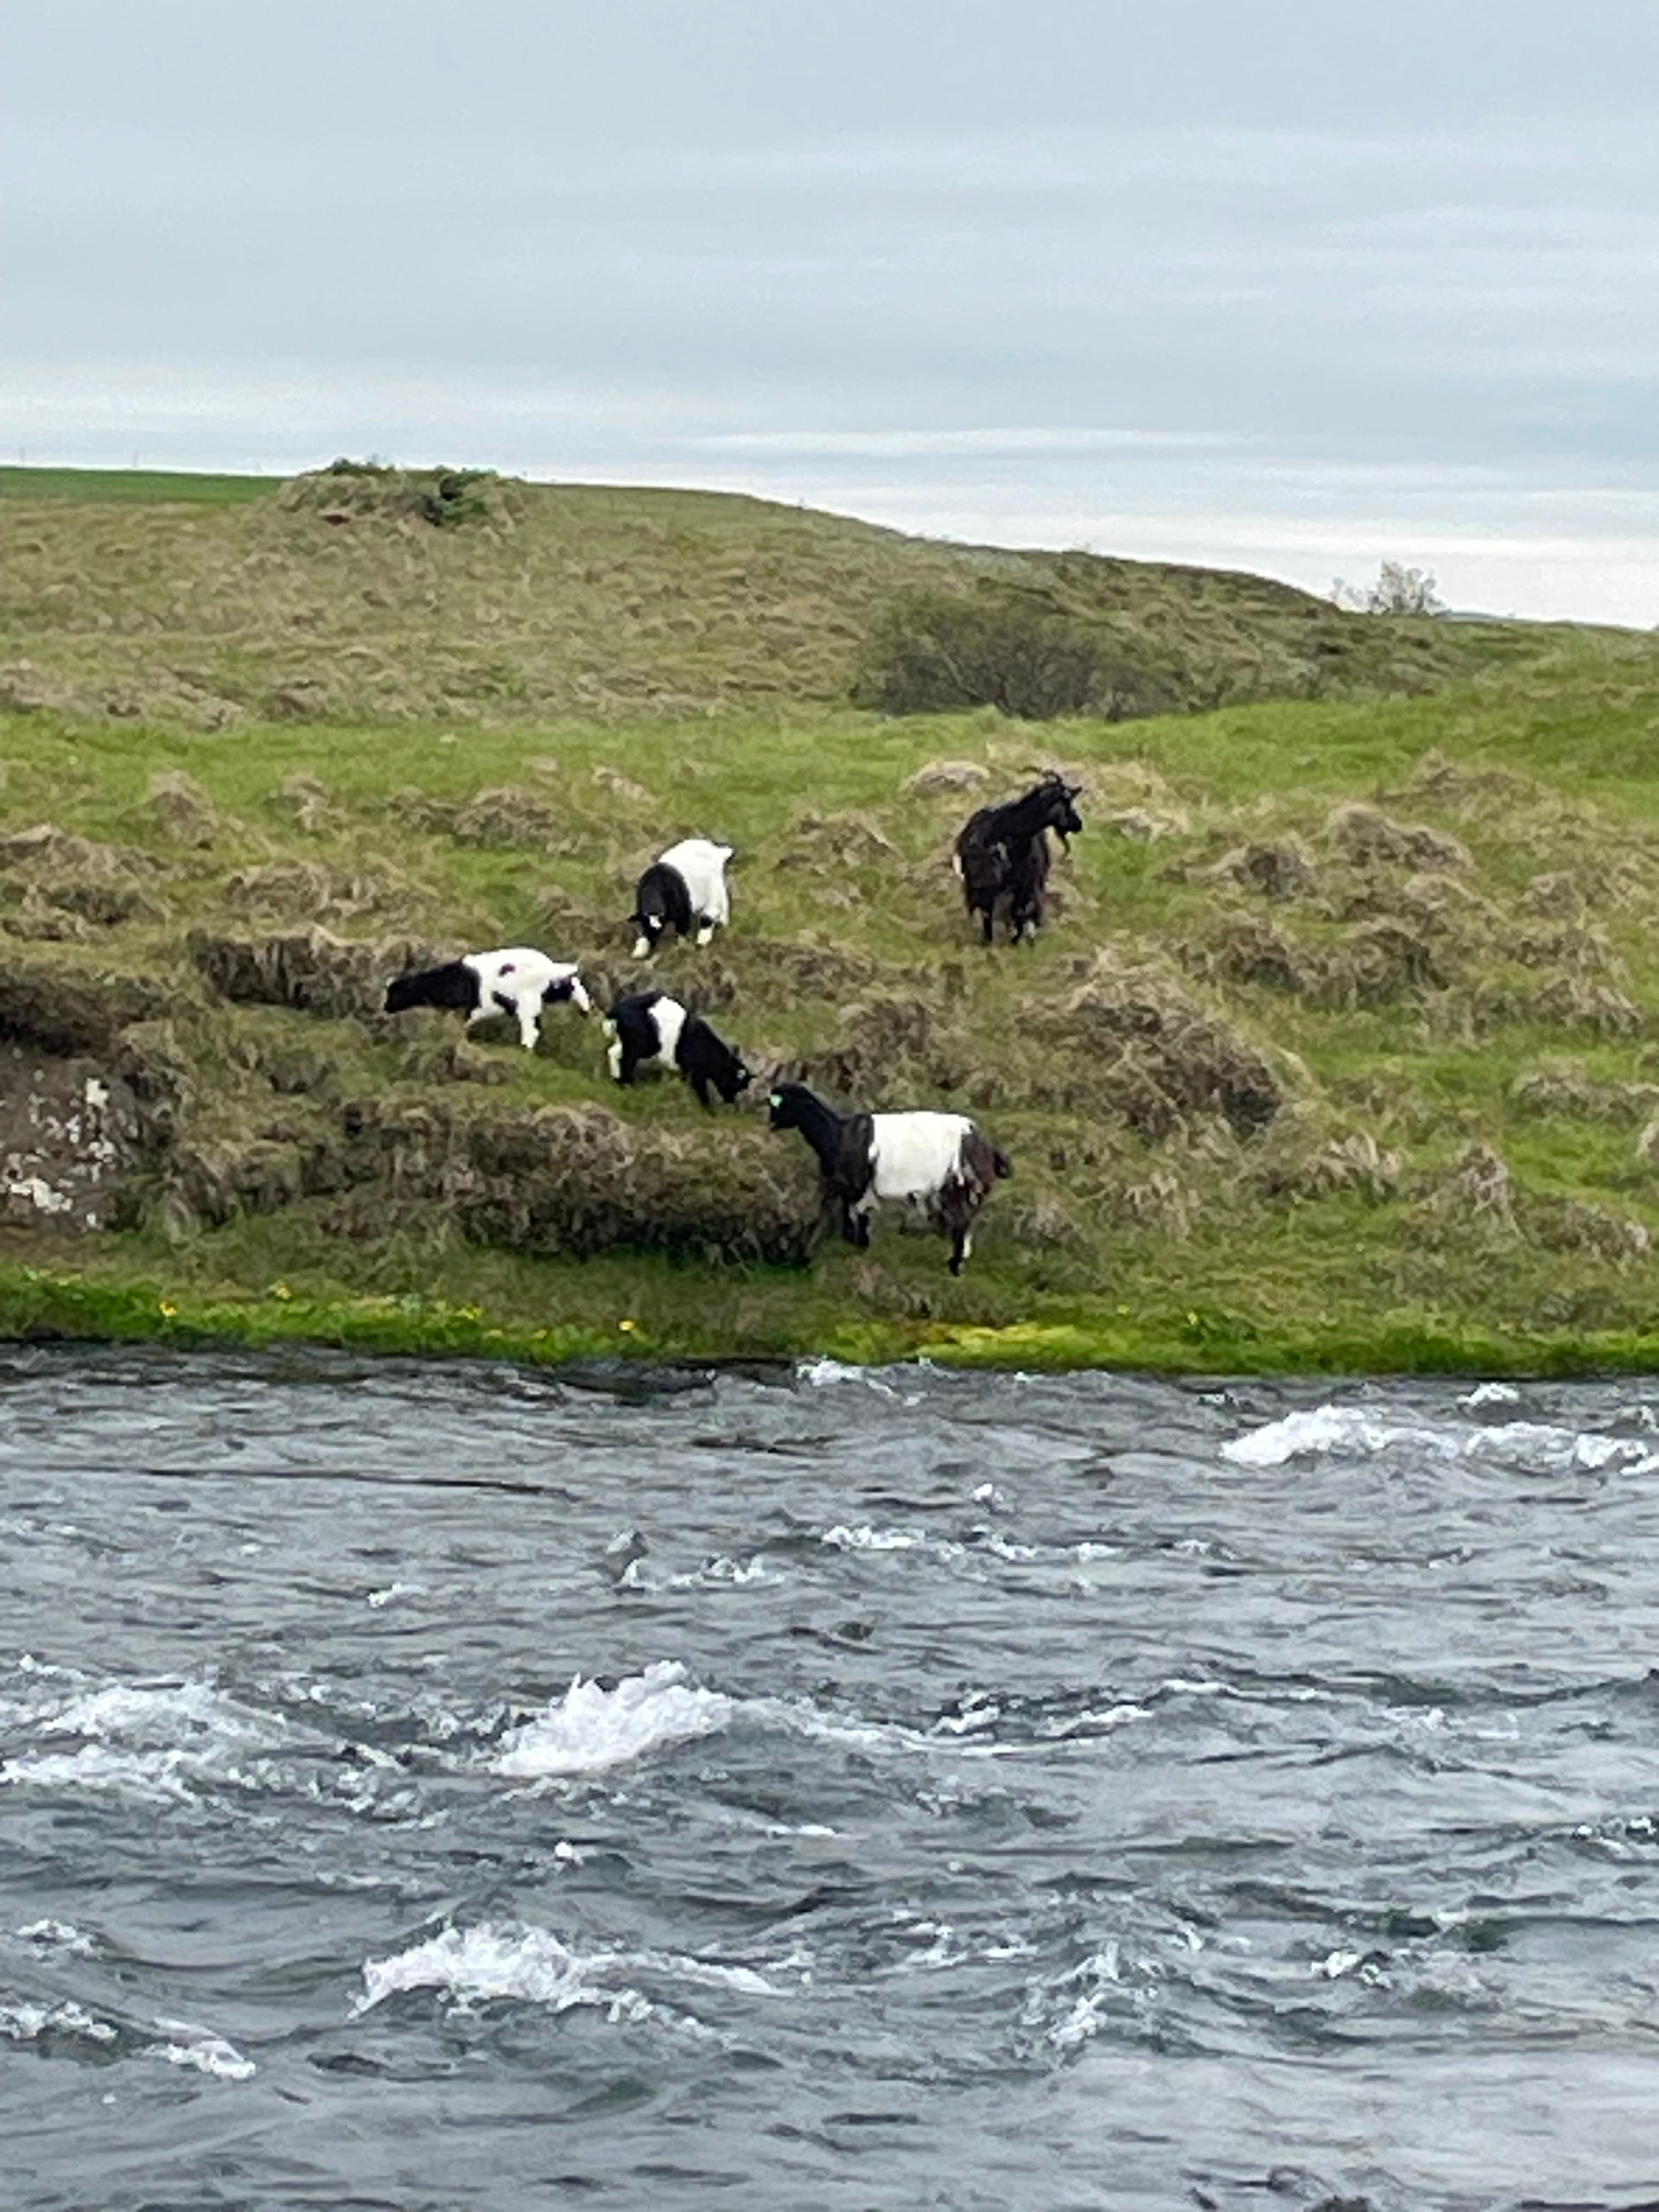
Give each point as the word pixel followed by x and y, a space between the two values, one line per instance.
pixel 218 600
pixel 1342 1048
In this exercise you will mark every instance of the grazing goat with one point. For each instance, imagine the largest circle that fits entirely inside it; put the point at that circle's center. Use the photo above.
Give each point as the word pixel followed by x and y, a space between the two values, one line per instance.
pixel 650 1025
pixel 517 981
pixel 1002 854
pixel 683 889
pixel 938 1165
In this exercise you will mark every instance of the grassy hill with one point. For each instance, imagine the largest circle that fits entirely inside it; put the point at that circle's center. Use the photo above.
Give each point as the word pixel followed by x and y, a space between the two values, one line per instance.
pixel 1340 1050
pixel 214 602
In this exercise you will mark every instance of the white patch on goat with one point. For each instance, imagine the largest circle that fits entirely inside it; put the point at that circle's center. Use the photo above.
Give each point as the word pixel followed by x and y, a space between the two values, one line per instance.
pixel 522 977
pixel 701 863
pixel 670 1018
pixel 912 1155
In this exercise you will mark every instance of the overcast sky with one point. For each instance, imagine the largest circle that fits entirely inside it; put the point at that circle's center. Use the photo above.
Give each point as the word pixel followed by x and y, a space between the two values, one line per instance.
pixel 1284 286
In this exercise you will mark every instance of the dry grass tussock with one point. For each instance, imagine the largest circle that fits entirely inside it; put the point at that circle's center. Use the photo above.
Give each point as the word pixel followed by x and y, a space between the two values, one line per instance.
pixel 1565 1090
pixel 56 887
pixel 183 811
pixel 1366 838
pixel 581 1180
pixel 1298 1163
pixel 1372 912
pixel 1151 1054
pixel 1375 963
pixel 310 970
pixel 310 890
pixel 63 1003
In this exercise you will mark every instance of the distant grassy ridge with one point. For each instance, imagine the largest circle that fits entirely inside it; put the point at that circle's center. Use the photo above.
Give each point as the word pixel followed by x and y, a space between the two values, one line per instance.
pixel 134 487
pixel 1342 1050
pixel 217 602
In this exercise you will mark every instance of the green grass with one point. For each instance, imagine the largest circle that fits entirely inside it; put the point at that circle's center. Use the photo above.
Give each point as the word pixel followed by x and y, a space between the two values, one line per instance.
pixel 1189 1247
pixel 263 722
pixel 135 487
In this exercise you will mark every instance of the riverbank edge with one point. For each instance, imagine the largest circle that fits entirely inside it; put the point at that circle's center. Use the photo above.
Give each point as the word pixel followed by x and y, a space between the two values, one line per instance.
pixel 54 1306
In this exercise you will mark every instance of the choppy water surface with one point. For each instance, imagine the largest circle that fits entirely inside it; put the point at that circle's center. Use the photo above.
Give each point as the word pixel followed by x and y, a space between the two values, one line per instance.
pixel 443 1787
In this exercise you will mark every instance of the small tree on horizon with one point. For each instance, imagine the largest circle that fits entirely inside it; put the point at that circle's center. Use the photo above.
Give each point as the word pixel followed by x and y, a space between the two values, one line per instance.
pixel 1398 590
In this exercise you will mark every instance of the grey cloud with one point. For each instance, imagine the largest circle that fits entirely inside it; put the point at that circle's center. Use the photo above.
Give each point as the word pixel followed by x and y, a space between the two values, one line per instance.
pixel 1005 263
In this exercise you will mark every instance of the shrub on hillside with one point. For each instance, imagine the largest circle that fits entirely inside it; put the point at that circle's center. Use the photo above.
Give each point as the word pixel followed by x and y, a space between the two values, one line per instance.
pixel 935 652
pixel 368 491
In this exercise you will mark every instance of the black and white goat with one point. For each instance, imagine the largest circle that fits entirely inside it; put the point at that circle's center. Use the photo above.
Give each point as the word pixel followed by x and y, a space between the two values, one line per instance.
pixel 1002 854
pixel 650 1025
pixel 516 980
pixel 939 1165
pixel 682 890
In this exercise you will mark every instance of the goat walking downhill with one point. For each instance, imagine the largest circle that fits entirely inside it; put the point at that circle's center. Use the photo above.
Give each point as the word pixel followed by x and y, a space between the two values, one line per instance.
pixel 1002 854
pixel 683 889
pixel 650 1025
pixel 515 980
pixel 940 1165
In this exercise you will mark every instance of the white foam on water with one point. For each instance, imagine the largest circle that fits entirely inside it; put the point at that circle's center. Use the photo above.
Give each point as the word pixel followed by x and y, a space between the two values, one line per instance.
pixel 1088 2012
pixel 1530 1442
pixel 591 1729
pixel 145 1739
pixel 821 1373
pixel 941 1945
pixel 25 2021
pixel 166 1713
pixel 1091 1723
pixel 392 1590
pixel 865 1538
pixel 1328 1429
pixel 58 1935
pixel 490 1960
pixel 156 1774
pixel 977 1714
pixel 1528 1445
pixel 511 1959
pixel 1336 1964
pixel 1491 1394
pixel 202 2051
pixel 724 1569
pixel 1005 1547
pixel 707 1973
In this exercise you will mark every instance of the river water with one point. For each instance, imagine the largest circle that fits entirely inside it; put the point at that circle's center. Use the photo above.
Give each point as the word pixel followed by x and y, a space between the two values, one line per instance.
pixel 439 1786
